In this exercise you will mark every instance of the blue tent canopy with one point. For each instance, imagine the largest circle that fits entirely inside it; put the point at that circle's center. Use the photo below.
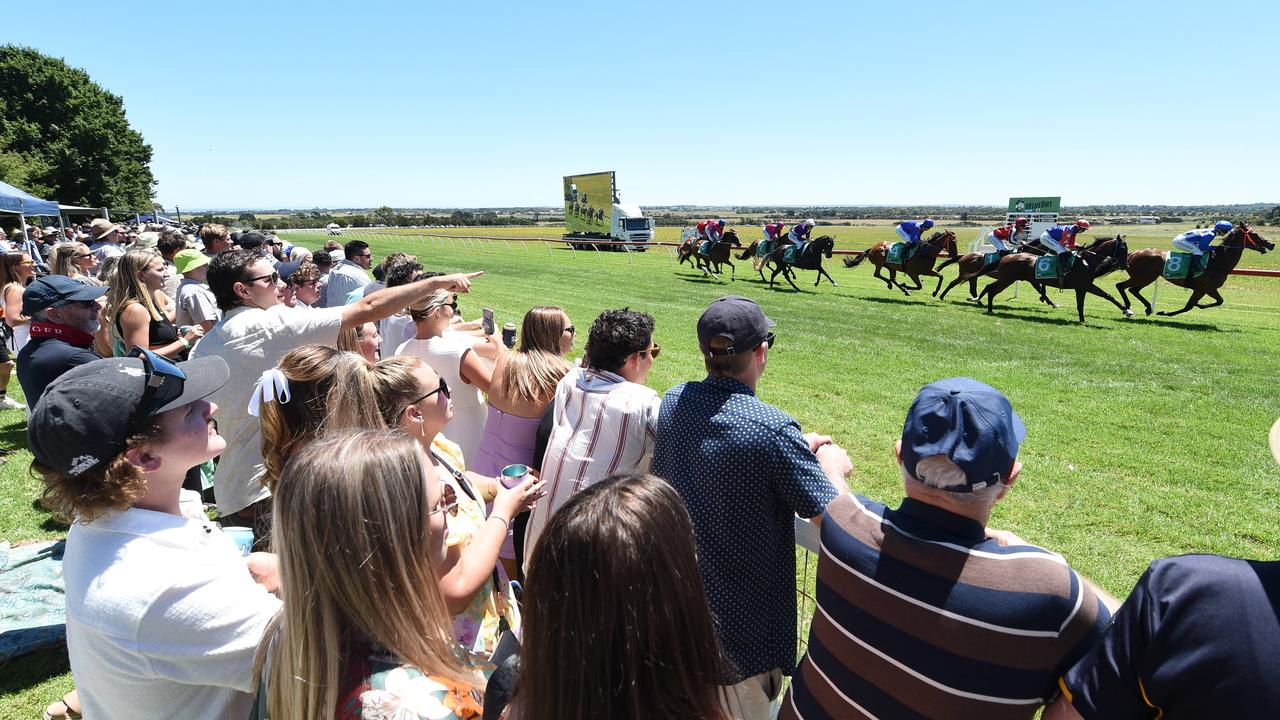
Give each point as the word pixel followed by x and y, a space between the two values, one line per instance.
pixel 157 218
pixel 13 200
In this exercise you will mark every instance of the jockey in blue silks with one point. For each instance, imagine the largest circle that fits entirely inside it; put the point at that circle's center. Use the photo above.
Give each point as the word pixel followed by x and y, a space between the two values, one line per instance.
pixel 1197 242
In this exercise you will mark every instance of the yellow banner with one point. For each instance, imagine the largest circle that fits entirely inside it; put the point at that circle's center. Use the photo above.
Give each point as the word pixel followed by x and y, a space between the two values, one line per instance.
pixel 588 203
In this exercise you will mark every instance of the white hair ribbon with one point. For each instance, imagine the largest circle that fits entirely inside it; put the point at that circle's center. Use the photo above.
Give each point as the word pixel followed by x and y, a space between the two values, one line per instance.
pixel 273 386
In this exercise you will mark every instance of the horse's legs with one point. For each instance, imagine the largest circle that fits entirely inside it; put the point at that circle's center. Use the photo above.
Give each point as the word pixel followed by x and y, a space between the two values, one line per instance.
pixel 1191 302
pixel 973 286
pixel 1141 299
pixel 732 270
pixel 824 272
pixel 1044 297
pixel 939 276
pixel 893 278
pixel 1095 290
pixel 1080 293
pixel 992 289
pixel 882 278
pixel 790 276
pixel 959 279
pixel 1216 297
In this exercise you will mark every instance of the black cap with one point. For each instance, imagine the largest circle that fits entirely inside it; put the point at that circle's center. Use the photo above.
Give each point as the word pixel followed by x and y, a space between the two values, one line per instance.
pixel 55 291
pixel 252 240
pixel 85 416
pixel 737 319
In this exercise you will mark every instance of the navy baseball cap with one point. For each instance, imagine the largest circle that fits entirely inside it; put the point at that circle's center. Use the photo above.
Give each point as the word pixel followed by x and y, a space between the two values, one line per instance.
pixel 737 319
pixel 56 290
pixel 968 422
pixel 86 416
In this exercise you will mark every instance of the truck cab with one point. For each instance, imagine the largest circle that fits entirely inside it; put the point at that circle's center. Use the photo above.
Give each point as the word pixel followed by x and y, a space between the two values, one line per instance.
pixel 630 225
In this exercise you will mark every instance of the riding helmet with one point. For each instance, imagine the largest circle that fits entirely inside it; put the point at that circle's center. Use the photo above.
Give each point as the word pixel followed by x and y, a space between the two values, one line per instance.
pixel 1223 226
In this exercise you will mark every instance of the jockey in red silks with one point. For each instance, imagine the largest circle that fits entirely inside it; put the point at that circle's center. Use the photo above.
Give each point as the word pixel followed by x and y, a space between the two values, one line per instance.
pixel 1001 237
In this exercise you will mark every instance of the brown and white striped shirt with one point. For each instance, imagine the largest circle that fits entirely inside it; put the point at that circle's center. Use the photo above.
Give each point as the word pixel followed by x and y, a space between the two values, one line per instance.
pixel 602 424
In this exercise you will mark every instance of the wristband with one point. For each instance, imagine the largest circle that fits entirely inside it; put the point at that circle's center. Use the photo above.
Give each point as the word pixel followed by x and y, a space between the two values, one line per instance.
pixel 185 343
pixel 504 520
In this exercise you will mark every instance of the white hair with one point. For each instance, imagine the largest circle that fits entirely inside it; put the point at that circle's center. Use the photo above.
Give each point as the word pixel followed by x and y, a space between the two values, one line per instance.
pixel 937 472
pixel 299 253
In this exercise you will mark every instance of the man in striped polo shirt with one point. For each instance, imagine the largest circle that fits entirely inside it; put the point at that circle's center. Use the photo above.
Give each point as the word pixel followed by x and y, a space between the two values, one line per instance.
pixel 924 613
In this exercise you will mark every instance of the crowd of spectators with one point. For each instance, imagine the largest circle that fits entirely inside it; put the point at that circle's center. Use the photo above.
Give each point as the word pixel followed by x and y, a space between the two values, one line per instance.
pixel 414 519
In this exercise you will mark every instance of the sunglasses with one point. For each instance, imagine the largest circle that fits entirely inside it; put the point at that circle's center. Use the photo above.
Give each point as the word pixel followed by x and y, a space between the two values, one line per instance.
pixel 443 389
pixel 571 330
pixel 275 278
pixel 83 256
pixel 653 351
pixel 448 502
pixel 164 384
pixel 768 339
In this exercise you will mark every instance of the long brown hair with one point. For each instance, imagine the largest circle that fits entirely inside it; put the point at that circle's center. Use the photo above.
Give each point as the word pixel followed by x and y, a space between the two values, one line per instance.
pixel 63 261
pixel 531 373
pixel 9 264
pixel 127 287
pixel 353 540
pixel 329 390
pixel 614 588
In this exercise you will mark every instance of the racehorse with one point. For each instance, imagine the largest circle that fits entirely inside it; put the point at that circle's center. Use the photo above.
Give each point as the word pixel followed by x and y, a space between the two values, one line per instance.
pixel 1146 265
pixel 921 263
pixel 810 259
pixel 1103 256
pixel 759 261
pixel 973 266
pixel 718 256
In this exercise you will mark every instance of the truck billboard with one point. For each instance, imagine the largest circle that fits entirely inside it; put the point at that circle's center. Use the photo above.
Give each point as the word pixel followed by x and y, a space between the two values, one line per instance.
pixel 588 200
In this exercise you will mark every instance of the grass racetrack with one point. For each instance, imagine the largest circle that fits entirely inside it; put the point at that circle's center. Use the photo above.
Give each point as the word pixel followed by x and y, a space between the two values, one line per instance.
pixel 1146 437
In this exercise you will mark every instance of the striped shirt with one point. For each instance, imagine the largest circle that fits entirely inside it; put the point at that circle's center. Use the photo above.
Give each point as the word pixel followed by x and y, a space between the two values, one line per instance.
pixel 601 424
pixel 919 616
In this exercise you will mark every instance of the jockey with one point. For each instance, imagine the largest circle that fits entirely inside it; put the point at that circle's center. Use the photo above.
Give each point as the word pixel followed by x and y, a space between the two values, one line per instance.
pixel 911 232
pixel 709 232
pixel 1001 237
pixel 773 231
pixel 1061 240
pixel 1197 242
pixel 799 234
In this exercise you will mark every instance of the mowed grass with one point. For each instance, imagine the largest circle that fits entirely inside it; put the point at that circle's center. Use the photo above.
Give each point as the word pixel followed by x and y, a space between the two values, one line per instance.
pixel 1147 437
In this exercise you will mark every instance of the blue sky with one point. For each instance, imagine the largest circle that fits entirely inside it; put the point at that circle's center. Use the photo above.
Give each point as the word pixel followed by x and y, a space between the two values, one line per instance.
pixel 292 104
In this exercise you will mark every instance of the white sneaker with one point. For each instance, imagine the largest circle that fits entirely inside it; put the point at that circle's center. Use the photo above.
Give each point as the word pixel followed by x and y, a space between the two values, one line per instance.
pixel 9 403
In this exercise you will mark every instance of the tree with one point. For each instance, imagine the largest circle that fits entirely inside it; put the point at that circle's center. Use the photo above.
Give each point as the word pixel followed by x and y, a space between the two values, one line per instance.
pixel 64 137
pixel 384 216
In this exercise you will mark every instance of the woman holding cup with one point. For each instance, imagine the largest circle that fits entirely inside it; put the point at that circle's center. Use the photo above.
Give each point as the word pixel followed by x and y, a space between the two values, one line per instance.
pixel 415 399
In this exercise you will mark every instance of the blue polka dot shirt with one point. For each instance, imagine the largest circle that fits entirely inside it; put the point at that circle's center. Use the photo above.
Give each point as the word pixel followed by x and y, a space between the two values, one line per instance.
pixel 744 471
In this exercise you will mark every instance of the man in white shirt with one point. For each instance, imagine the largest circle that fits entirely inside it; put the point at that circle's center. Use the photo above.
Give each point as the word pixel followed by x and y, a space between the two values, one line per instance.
pixel 350 274
pixel 603 416
pixel 163 616
pixel 256 330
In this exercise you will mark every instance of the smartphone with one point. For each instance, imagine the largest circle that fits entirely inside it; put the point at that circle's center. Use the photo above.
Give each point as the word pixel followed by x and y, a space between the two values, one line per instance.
pixel 488 320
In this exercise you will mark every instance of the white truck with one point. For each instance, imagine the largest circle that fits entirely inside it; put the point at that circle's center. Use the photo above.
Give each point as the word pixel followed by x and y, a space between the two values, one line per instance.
pixel 592 212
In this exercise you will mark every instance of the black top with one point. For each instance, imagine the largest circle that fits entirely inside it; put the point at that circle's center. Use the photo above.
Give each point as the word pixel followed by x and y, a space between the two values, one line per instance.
pixel 159 333
pixel 1197 638
pixel 43 360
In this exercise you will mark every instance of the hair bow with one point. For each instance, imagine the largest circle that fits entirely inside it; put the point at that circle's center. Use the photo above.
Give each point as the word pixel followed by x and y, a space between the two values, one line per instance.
pixel 273 386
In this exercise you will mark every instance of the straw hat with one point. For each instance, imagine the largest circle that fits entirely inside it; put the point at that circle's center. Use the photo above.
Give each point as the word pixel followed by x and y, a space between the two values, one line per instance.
pixel 100 227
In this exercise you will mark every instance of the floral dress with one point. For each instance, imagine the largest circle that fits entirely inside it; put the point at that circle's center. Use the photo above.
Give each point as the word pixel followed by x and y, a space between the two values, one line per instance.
pixel 377 686
pixel 476 628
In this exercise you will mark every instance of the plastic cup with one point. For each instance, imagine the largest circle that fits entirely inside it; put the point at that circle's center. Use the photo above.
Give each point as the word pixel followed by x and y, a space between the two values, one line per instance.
pixel 243 538
pixel 513 475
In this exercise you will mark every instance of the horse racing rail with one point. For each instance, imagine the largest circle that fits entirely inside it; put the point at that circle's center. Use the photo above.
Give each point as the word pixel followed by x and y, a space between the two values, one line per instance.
pixel 479 241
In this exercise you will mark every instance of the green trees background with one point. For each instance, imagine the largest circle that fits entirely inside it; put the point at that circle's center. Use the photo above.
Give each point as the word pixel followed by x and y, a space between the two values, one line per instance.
pixel 63 137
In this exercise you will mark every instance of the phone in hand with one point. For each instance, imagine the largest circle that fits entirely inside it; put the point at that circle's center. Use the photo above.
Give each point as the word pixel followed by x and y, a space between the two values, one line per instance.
pixel 488 320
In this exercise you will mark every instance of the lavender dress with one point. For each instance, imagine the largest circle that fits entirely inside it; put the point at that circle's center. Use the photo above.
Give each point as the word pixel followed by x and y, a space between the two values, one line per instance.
pixel 508 439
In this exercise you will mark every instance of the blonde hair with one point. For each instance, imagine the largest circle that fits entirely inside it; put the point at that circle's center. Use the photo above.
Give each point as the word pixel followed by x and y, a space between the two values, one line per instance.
pixel 329 390
pixel 63 261
pixel 423 308
pixel 353 540
pixel 394 385
pixel 349 340
pixel 531 373
pixel 127 287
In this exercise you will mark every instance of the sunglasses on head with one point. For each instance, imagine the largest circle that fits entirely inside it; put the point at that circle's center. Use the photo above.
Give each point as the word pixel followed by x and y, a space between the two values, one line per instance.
pixel 164 384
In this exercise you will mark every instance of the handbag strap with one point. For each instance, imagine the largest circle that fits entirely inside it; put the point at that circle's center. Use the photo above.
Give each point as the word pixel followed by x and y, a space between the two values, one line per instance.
pixel 471 493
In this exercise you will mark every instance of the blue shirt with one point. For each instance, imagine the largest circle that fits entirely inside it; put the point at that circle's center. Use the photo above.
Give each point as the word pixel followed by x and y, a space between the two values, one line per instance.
pixel 912 229
pixel 1202 238
pixel 1198 637
pixel 745 472
pixel 1059 232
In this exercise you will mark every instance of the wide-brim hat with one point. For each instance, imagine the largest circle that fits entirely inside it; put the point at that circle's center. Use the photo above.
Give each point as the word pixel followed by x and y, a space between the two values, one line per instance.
pixel 100 227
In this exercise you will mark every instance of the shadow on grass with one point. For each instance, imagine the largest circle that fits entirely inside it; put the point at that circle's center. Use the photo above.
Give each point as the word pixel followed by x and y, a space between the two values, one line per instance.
pixel 1048 320
pixel 1193 326
pixel 887 299
pixel 25 672
pixel 13 434
pixel 51 523
pixel 703 280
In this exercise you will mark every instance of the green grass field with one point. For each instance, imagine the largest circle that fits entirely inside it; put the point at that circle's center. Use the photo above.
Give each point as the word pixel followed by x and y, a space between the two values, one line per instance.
pixel 1147 436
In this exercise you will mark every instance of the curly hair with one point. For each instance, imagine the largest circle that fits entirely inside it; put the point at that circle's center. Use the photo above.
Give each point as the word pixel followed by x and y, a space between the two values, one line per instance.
pixel 614 336
pixel 112 485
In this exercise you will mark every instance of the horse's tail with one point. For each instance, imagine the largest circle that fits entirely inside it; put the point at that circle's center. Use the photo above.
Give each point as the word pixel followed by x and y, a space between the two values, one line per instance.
pixel 855 261
pixel 749 251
